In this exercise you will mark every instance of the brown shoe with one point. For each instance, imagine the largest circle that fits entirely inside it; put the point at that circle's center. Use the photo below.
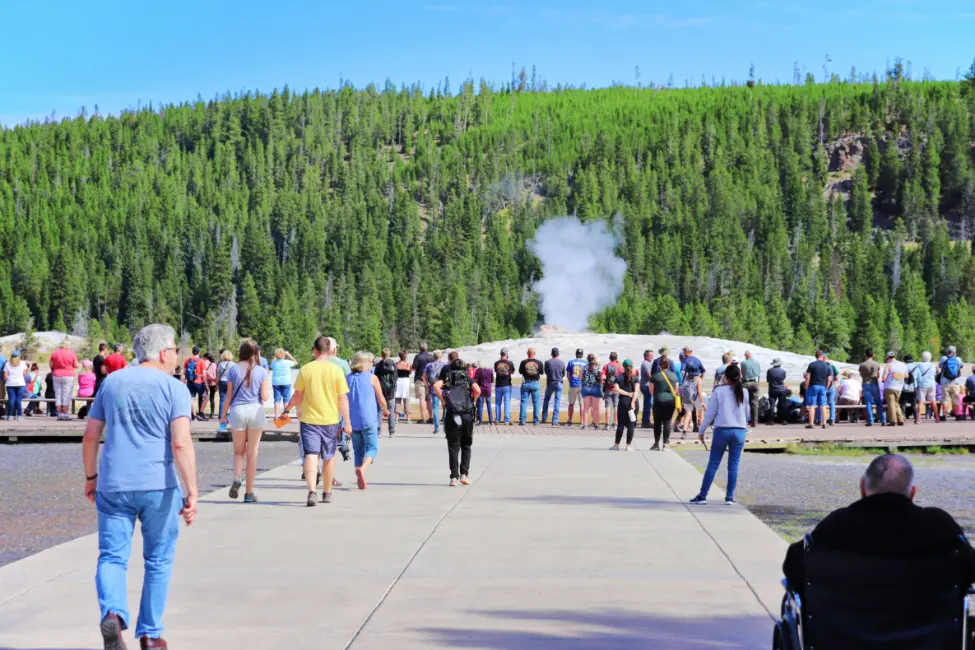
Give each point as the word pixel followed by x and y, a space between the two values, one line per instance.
pixel 146 642
pixel 111 628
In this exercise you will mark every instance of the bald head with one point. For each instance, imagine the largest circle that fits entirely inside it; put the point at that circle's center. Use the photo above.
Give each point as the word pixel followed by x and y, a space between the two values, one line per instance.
pixel 888 473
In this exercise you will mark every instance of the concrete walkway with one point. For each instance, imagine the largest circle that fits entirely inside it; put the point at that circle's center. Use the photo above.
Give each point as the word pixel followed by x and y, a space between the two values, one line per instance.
pixel 558 544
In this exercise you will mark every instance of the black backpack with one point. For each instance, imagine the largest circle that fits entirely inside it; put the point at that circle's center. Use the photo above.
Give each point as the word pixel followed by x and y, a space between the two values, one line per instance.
pixel 610 377
pixel 457 392
pixel 388 377
pixel 764 410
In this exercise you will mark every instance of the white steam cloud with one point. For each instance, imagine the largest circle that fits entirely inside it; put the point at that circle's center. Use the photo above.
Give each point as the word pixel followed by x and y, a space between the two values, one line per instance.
pixel 581 273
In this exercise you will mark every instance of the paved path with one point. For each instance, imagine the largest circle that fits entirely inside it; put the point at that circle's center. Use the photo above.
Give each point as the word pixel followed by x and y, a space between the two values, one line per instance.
pixel 557 544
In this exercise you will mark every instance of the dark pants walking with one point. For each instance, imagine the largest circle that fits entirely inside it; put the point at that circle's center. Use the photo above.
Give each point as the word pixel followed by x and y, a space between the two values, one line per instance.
pixel 390 420
pixel 460 437
pixel 647 406
pixel 909 404
pixel 752 388
pixel 662 414
pixel 623 421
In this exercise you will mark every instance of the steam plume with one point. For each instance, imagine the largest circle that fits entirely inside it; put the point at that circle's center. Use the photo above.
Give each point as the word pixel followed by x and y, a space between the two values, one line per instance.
pixel 581 273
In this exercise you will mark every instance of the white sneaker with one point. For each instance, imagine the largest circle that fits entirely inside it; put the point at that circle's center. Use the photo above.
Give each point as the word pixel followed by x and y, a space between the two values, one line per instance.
pixel 614 448
pixel 629 448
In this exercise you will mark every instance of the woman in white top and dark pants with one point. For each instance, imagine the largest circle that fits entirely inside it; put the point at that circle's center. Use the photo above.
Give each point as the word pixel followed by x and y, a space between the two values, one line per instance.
pixel 728 411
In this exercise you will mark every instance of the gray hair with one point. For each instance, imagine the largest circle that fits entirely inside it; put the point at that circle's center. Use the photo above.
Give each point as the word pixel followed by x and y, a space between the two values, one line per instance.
pixel 926 357
pixel 889 473
pixel 437 354
pixel 64 342
pixel 151 340
pixel 120 347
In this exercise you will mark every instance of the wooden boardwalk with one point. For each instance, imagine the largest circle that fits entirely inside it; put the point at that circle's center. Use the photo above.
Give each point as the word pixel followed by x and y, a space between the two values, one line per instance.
pixel 44 429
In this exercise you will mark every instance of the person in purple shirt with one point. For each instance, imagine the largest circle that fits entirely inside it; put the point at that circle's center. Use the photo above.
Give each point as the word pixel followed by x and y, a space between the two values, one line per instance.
pixel 484 377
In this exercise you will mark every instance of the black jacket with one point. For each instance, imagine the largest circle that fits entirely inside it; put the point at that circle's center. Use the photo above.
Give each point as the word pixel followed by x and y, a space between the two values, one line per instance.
pixel 886 525
pixel 776 382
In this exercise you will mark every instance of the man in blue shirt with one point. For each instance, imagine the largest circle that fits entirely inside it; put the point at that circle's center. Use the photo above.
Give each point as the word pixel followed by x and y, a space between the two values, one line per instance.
pixel 554 376
pixel 691 389
pixel 574 370
pixel 144 414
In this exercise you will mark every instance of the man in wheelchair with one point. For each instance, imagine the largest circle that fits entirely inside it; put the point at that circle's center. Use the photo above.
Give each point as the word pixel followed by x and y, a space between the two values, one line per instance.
pixel 880 573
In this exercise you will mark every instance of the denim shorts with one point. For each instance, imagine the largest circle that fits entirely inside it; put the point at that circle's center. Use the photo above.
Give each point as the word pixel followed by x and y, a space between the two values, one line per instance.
pixel 319 439
pixel 816 396
pixel 591 391
pixel 282 393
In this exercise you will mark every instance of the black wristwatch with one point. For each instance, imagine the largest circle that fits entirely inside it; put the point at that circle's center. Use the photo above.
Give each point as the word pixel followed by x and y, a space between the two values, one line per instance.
pixel 91 478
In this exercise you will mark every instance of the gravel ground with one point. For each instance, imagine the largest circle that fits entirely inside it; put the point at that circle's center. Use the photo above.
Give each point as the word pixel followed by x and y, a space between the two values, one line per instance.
pixel 793 493
pixel 43 504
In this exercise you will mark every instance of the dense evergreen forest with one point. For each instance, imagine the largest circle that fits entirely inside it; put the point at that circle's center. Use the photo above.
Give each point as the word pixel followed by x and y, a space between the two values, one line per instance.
pixel 834 215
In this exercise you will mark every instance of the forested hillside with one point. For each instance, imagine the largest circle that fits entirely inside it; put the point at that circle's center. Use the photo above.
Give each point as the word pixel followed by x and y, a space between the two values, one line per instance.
pixel 835 215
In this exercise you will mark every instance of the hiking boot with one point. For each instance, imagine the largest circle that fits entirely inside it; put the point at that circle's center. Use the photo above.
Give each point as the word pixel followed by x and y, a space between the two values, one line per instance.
pixel 235 488
pixel 326 497
pixel 250 497
pixel 145 643
pixel 312 499
pixel 111 628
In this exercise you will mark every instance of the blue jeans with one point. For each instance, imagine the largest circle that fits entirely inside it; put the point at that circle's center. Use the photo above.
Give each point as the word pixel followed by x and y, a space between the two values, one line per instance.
pixel 481 401
pixel 282 393
pixel 365 443
pixel 15 401
pixel 530 389
pixel 502 395
pixel 553 387
pixel 734 441
pixel 436 414
pixel 647 405
pixel 158 512
pixel 871 397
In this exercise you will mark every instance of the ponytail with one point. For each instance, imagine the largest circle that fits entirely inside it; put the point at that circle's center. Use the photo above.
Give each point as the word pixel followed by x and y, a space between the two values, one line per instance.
pixel 732 378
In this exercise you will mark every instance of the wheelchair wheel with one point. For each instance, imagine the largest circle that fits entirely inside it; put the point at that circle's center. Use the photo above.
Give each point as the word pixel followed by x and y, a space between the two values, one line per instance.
pixel 777 638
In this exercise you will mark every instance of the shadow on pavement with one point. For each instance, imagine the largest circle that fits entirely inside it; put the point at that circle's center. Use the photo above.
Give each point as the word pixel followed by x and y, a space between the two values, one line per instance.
pixel 634 503
pixel 613 630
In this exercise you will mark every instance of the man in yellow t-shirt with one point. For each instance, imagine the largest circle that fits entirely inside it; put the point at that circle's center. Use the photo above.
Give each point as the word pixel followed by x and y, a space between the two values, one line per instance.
pixel 322 392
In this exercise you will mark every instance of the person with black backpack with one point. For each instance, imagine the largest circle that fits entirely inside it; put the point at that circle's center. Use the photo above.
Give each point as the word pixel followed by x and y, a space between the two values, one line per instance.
pixel 386 374
pixel 531 373
pixel 459 395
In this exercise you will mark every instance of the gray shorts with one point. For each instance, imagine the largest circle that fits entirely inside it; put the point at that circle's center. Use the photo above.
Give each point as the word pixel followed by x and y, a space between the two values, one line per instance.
pixel 611 398
pixel 319 439
pixel 929 394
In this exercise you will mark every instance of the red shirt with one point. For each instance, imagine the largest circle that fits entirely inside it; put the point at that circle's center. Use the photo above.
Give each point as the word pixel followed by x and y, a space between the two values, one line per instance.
pixel 114 362
pixel 63 362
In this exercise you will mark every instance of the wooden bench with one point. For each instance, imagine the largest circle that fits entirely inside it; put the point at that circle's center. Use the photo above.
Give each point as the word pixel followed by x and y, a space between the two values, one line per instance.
pixel 49 400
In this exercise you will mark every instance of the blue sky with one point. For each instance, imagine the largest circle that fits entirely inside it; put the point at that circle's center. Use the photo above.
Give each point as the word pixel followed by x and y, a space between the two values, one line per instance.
pixel 58 56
